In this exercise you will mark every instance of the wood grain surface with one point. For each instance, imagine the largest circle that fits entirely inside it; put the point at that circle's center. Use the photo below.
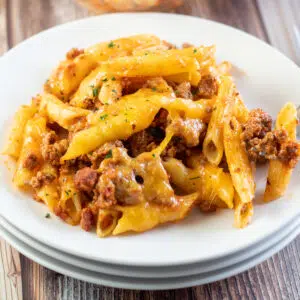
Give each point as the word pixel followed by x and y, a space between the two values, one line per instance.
pixel 275 21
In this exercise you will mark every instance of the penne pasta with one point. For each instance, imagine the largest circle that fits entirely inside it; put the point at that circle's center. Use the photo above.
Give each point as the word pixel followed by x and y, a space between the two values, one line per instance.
pixel 111 91
pixel 89 88
pixel 16 137
pixel 210 182
pixel 30 155
pixel 238 162
pixel 147 216
pixel 69 200
pixel 243 212
pixel 153 65
pixel 279 172
pixel 57 111
pixel 213 146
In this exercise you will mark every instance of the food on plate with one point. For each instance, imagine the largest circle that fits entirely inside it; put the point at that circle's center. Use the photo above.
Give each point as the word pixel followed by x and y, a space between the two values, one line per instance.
pixel 133 133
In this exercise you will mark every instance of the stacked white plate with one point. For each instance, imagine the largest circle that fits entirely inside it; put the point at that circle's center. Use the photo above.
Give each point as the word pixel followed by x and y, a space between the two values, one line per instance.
pixel 202 248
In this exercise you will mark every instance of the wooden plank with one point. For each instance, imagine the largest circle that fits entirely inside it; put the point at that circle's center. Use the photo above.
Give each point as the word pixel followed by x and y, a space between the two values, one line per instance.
pixel 240 14
pixel 10 273
pixel 43 15
pixel 282 22
pixel 10 266
pixel 3 27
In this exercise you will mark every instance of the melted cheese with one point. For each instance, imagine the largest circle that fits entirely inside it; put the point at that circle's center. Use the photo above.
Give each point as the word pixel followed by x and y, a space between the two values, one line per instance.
pixel 131 114
pixel 145 216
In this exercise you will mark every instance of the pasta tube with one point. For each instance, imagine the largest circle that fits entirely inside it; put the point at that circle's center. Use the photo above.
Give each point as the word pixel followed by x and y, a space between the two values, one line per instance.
pixel 213 146
pixel 146 216
pixel 30 155
pixel 279 173
pixel 57 111
pixel 238 162
pixel 14 145
pixel 211 183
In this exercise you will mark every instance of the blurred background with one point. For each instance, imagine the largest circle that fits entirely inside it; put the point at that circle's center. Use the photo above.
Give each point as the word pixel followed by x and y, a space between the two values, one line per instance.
pixel 104 6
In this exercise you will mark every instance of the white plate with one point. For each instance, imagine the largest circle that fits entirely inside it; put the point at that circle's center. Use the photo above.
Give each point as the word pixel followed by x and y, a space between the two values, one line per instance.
pixel 269 80
pixel 144 283
pixel 152 272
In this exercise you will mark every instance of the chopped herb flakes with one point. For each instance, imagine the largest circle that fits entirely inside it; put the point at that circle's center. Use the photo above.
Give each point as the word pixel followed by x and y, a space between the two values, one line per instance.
pixel 193 178
pixel 109 154
pixel 153 155
pixel 47 216
pixel 68 192
pixel 103 117
pixel 95 92
pixel 195 51
pixel 111 44
pixel 154 89
pixel 113 78
pixel 104 79
pixel 114 91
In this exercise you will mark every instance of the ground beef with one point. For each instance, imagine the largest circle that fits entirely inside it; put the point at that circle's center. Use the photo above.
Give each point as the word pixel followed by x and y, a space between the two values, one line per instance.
pixel 142 141
pixel 118 185
pixel 161 119
pixel 58 210
pixel 183 90
pixel 257 125
pixel 176 149
pixel 189 129
pixel 169 45
pixel 85 179
pixel 41 179
pixel 31 161
pixel 53 149
pixel 207 87
pixel 274 145
pixel 87 219
pixel 97 156
pixel 105 191
pixel 289 153
pixel 148 139
pixel 187 45
pixel 74 52
pixel 131 85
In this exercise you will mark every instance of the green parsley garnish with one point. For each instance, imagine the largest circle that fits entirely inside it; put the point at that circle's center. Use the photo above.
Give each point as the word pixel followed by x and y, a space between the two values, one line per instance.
pixel 193 178
pixel 67 193
pixel 95 92
pixel 153 155
pixel 113 78
pixel 114 91
pixel 111 44
pixel 103 117
pixel 104 79
pixel 47 216
pixel 154 89
pixel 195 51
pixel 109 154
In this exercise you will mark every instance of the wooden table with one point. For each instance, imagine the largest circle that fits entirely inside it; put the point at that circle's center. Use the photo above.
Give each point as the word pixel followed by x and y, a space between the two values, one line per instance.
pixel 275 21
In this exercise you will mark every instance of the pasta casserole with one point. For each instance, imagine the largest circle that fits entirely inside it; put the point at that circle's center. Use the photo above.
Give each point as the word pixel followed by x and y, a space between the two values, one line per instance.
pixel 133 133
